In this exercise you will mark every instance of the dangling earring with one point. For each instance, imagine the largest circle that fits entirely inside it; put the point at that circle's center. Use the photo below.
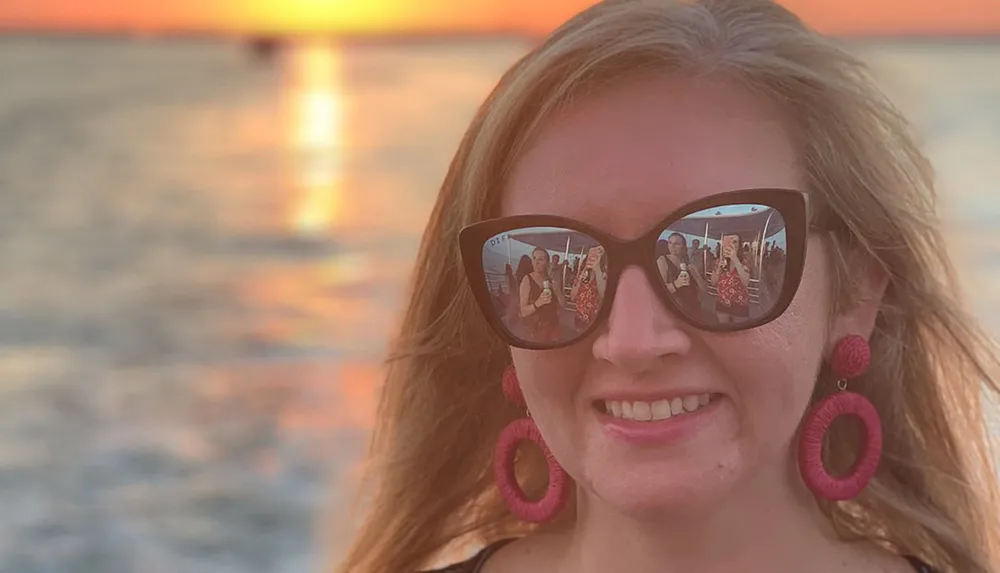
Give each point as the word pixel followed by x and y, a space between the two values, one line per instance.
pixel 546 508
pixel 850 359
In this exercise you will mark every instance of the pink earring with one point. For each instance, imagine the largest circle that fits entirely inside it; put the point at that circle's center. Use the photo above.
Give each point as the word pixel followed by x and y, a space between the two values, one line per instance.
pixel 850 359
pixel 524 429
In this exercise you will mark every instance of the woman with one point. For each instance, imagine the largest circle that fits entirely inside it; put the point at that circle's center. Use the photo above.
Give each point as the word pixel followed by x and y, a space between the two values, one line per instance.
pixel 686 285
pixel 587 291
pixel 540 300
pixel 631 114
pixel 732 281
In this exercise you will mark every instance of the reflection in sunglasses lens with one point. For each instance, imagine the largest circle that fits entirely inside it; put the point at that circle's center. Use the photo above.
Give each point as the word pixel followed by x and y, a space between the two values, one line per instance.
pixel 546 283
pixel 724 265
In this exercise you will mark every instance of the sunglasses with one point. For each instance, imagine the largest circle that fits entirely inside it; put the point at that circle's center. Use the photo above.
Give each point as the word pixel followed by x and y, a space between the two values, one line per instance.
pixel 724 263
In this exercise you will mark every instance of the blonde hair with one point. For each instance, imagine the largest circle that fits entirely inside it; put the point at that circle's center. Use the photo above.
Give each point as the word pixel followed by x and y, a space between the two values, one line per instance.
pixel 441 410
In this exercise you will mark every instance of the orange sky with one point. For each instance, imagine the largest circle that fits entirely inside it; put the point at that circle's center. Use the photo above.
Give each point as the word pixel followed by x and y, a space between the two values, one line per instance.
pixel 838 16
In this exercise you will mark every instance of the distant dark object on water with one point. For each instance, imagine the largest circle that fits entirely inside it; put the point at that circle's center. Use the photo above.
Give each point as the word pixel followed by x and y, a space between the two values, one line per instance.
pixel 264 49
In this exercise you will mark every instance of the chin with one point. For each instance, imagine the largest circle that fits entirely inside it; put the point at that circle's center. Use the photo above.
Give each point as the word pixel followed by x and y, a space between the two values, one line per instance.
pixel 643 469
pixel 652 490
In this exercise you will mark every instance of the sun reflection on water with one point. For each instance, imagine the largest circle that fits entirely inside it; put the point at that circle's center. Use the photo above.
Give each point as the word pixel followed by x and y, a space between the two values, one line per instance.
pixel 316 138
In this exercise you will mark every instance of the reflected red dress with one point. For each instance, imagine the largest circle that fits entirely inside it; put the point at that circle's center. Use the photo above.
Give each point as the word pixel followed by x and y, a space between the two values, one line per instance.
pixel 586 300
pixel 734 298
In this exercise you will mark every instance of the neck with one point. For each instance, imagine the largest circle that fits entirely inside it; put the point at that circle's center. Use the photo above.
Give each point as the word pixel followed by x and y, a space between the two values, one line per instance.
pixel 776 531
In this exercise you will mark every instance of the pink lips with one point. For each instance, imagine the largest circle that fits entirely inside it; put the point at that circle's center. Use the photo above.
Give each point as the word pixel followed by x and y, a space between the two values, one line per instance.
pixel 658 432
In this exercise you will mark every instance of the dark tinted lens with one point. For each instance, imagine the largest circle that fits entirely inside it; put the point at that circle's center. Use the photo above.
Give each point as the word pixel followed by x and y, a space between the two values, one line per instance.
pixel 546 283
pixel 724 265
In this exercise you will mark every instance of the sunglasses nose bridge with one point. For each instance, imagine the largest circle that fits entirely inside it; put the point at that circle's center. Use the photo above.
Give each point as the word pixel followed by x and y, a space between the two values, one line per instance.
pixel 628 253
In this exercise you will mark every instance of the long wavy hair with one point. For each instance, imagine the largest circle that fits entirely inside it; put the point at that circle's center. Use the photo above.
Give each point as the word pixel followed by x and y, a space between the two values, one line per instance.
pixel 441 408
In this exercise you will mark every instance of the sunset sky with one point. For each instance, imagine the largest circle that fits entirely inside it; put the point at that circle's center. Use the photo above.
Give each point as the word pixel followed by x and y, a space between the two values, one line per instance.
pixel 387 16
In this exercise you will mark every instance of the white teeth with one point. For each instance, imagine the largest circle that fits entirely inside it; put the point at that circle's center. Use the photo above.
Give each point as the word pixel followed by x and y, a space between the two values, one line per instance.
pixel 661 410
pixel 641 411
pixel 627 411
pixel 614 407
pixel 690 403
pixel 677 406
pixel 658 410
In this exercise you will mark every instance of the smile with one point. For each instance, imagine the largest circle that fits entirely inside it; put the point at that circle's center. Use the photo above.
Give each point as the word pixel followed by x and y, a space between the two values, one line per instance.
pixel 640 411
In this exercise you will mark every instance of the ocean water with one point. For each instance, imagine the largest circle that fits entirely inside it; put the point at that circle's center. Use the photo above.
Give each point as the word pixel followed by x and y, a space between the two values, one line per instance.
pixel 202 255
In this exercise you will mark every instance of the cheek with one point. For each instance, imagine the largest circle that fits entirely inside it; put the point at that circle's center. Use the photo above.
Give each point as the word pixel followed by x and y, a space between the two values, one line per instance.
pixel 785 357
pixel 549 378
pixel 775 366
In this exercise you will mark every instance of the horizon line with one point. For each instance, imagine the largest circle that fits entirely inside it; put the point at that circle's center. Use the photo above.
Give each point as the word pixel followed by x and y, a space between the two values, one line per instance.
pixel 419 34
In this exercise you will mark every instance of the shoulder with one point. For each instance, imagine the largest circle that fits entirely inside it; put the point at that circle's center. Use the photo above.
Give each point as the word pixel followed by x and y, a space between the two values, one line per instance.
pixel 475 563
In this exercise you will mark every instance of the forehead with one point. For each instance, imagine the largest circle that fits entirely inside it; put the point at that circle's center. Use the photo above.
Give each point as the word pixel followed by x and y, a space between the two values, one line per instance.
pixel 624 158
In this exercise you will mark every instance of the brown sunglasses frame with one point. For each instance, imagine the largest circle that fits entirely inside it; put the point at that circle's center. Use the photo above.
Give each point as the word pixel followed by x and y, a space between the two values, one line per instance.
pixel 791 204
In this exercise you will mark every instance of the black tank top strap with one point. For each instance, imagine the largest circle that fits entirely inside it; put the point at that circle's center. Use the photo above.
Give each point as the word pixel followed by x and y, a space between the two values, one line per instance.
pixel 535 290
pixel 672 269
pixel 919 566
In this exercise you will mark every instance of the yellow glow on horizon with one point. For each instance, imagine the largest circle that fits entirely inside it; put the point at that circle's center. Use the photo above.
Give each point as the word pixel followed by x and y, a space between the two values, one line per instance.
pixel 321 15
pixel 467 16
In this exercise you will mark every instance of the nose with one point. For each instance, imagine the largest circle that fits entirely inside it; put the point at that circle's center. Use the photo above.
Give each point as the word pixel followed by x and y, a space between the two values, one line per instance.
pixel 640 331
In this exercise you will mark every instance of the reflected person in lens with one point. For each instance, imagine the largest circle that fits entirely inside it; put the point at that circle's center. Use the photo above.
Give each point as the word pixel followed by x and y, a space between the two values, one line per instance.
pixel 588 289
pixel 732 281
pixel 680 276
pixel 541 300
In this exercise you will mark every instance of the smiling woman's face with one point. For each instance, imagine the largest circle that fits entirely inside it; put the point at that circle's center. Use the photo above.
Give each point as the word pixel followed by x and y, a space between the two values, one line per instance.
pixel 621 160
